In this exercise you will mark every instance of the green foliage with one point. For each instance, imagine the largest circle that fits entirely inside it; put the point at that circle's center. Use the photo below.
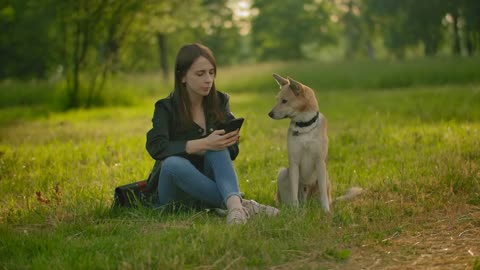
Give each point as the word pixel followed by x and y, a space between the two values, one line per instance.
pixel 276 31
pixel 25 39
pixel 476 265
pixel 409 23
pixel 89 39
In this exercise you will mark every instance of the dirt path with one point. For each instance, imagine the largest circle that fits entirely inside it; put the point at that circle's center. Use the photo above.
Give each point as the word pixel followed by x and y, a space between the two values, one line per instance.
pixel 447 241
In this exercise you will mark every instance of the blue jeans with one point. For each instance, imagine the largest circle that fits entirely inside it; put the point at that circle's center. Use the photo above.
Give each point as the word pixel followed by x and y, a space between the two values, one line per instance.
pixel 180 181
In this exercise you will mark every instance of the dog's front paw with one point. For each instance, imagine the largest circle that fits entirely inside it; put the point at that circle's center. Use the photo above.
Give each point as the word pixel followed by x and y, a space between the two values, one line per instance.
pixel 325 207
pixel 292 203
pixel 296 204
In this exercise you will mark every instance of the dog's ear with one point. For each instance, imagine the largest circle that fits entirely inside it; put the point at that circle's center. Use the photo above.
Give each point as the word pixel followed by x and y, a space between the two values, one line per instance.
pixel 295 86
pixel 280 80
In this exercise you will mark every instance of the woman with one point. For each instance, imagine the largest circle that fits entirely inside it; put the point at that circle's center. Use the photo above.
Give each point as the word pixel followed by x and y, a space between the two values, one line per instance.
pixel 193 157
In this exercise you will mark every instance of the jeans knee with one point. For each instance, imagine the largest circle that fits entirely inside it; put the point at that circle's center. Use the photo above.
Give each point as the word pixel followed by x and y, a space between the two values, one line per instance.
pixel 211 155
pixel 173 163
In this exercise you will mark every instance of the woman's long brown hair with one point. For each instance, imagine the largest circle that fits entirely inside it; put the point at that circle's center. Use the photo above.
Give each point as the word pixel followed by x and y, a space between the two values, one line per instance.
pixel 185 58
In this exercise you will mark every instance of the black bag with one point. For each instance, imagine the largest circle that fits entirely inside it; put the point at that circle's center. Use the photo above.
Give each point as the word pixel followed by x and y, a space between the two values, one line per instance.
pixel 133 195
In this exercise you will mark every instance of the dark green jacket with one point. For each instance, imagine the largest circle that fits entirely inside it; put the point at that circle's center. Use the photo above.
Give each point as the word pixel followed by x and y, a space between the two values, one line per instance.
pixel 164 140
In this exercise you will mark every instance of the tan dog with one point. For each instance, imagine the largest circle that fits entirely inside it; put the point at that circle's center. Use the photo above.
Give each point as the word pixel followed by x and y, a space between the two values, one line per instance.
pixel 307 145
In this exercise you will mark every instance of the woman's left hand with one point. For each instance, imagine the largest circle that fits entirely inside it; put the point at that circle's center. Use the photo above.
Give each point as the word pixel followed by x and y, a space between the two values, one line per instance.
pixel 219 140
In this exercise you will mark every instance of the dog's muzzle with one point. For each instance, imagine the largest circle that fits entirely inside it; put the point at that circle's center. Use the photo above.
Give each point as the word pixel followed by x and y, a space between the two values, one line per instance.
pixel 275 116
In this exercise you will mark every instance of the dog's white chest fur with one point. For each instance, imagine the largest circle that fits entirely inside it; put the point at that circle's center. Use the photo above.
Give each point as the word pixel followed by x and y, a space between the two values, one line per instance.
pixel 305 138
pixel 305 149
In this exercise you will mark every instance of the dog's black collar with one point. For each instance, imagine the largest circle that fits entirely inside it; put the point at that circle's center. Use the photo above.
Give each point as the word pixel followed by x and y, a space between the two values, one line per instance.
pixel 308 123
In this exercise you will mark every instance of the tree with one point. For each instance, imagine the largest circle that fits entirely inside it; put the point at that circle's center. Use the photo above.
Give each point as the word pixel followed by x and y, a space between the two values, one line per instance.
pixel 358 27
pixel 280 30
pixel 220 32
pixel 466 23
pixel 174 23
pixel 407 23
pixel 91 33
pixel 25 39
pixel 161 19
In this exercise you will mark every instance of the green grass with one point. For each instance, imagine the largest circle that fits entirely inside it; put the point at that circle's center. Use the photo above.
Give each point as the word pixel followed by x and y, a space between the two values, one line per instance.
pixel 339 75
pixel 129 89
pixel 414 149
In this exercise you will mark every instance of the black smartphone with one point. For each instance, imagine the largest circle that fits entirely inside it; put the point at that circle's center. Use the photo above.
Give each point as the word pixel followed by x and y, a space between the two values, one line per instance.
pixel 231 125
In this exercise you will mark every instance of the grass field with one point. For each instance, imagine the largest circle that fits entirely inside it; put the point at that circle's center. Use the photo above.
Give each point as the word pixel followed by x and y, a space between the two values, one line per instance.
pixel 414 147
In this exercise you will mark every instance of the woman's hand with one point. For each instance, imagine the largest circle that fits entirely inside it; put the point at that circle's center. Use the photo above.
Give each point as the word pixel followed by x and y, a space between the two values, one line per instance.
pixel 217 140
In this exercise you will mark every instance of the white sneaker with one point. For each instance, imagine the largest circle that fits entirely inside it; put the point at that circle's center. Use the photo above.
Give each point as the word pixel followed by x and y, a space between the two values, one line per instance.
pixel 254 208
pixel 237 216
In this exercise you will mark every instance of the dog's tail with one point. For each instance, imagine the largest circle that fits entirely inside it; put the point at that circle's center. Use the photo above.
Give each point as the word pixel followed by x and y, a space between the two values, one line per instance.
pixel 349 194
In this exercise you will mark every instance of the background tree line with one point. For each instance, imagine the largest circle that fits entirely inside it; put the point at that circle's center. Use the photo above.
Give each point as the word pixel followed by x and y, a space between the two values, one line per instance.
pixel 85 41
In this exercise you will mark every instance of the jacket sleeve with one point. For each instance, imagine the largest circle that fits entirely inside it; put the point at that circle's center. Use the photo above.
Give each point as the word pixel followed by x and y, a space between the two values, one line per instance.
pixel 159 144
pixel 234 150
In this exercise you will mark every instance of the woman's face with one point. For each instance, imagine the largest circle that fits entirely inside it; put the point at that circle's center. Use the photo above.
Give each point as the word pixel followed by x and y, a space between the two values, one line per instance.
pixel 199 78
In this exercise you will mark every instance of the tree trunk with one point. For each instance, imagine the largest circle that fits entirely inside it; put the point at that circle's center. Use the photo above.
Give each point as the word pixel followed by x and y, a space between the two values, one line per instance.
pixel 456 37
pixel 468 41
pixel 162 50
pixel 430 43
pixel 73 101
pixel 370 50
